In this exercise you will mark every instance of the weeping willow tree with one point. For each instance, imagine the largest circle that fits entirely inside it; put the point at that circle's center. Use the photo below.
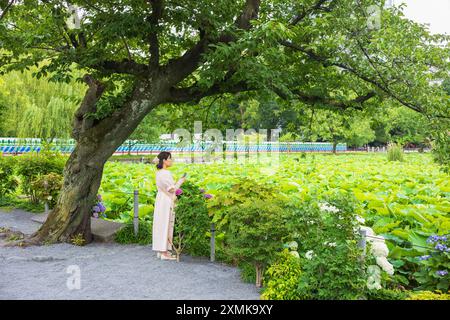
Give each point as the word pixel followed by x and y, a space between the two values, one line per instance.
pixel 36 107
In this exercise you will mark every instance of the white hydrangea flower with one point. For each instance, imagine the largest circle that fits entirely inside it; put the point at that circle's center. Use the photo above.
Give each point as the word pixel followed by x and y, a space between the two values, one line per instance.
pixel 292 245
pixel 385 265
pixel 309 254
pixel 379 249
pixel 295 254
pixel 360 219
pixel 374 279
pixel 373 283
pixel 373 270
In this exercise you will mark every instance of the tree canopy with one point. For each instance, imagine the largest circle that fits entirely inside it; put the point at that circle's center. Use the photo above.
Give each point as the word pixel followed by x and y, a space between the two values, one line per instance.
pixel 333 54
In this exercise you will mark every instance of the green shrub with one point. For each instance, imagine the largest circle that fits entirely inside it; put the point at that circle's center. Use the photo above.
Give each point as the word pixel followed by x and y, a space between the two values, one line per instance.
pixel 192 222
pixel 239 193
pixel 394 152
pixel 324 228
pixel 8 181
pixel 248 273
pixel 126 234
pixel 255 233
pixel 47 187
pixel 30 167
pixel 282 278
pixel 429 295
pixel 387 294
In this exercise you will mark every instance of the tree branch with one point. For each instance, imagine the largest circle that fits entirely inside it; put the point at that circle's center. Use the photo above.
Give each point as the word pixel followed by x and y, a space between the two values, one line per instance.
pixel 6 9
pixel 81 123
pixel 354 103
pixel 298 18
pixel 326 62
pixel 124 66
pixel 179 68
pixel 194 94
pixel 157 11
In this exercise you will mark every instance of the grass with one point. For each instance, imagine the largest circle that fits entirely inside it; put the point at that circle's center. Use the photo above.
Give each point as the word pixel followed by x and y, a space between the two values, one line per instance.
pixel 9 203
pixel 126 234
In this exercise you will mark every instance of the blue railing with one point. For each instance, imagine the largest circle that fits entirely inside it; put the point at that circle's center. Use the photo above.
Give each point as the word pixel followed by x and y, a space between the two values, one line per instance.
pixel 18 145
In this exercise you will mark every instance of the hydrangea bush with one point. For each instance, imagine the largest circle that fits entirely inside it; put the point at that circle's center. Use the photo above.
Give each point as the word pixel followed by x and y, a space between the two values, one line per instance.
pixel 98 210
pixel 434 267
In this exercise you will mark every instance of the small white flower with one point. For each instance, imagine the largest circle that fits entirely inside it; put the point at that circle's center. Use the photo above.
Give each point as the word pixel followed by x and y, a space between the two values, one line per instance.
pixel 360 219
pixel 385 265
pixel 49 198
pixel 328 207
pixel 309 254
pixel 295 254
pixel 330 244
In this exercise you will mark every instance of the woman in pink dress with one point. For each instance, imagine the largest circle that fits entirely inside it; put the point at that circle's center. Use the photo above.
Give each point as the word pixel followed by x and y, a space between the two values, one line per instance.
pixel 164 214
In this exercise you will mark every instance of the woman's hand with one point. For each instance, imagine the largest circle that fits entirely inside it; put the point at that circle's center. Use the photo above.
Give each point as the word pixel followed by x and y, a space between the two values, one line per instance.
pixel 181 181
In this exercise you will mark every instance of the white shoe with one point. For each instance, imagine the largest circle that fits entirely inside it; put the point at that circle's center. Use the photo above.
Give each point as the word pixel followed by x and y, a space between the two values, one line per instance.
pixel 169 257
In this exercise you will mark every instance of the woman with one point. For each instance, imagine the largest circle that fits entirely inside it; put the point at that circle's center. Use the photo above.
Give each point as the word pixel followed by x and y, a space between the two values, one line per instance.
pixel 164 214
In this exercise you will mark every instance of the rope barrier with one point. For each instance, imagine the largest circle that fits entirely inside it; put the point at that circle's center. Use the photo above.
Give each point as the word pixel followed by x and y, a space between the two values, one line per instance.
pixel 406 242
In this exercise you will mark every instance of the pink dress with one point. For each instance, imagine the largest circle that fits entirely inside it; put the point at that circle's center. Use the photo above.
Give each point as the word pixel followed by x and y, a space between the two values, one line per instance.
pixel 164 212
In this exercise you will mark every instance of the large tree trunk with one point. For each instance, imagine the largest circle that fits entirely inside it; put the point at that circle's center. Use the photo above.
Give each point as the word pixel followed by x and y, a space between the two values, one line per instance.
pixel 71 215
pixel 96 142
pixel 334 146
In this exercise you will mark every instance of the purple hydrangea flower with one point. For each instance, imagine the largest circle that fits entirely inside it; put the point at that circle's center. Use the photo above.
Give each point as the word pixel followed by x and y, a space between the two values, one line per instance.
pixel 441 247
pixel 442 272
pixel 208 196
pixel 96 209
pixel 424 257
pixel 202 190
pixel 432 239
pixel 101 207
pixel 99 197
pixel 95 214
pixel 178 192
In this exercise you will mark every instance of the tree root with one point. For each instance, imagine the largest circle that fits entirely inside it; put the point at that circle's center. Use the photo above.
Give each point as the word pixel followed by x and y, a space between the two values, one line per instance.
pixel 16 239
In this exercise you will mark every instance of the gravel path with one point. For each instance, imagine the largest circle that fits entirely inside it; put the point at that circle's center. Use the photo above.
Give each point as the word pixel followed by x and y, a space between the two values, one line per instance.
pixel 109 271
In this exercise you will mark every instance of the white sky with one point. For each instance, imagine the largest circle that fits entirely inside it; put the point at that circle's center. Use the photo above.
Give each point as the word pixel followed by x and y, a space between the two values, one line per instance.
pixel 436 13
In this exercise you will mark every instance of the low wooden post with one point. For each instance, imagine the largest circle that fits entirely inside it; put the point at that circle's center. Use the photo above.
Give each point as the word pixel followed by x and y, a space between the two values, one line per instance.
pixel 45 202
pixel 362 241
pixel 136 213
pixel 213 242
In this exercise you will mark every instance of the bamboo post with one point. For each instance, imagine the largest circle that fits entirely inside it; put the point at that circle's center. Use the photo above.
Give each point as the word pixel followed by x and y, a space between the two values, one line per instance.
pixel 136 213
pixel 213 242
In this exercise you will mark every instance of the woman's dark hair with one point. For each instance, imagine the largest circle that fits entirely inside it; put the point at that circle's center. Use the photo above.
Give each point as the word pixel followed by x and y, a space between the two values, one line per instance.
pixel 163 156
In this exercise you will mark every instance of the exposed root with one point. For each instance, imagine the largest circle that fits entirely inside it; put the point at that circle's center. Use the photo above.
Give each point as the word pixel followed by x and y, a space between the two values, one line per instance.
pixel 16 239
